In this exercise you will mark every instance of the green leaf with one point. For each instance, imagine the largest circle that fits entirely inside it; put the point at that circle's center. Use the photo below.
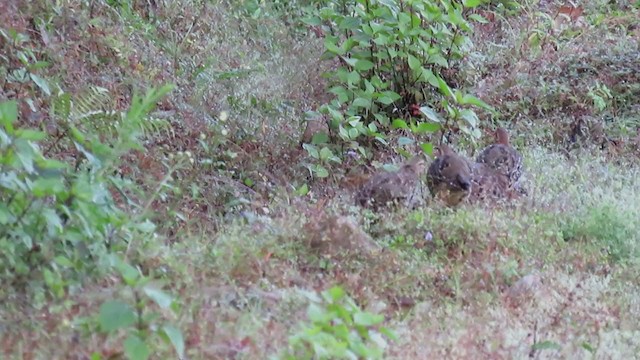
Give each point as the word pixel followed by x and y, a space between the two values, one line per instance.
pixel 472 3
pixel 136 349
pixel 8 114
pixel 431 114
pixel 128 272
pixel 444 88
pixel 63 261
pixel 414 63
pixel 470 117
pixel 479 18
pixel 427 128
pixel 5 214
pixel 115 315
pixel 177 340
pixel 362 102
pixel 546 345
pixel 403 140
pixel 399 124
pixel 41 83
pixel 330 45
pixel 158 296
pixel 427 148
pixel 336 293
pixel 388 97
pixel 363 65
pixel 321 172
pixel 302 190
pixel 472 100
pixel 32 135
pixel 325 154
pixel 320 138
pixel 367 319
pixel 312 150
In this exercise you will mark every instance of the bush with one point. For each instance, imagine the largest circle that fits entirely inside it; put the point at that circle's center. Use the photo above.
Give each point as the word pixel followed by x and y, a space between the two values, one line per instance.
pixel 397 61
pixel 60 220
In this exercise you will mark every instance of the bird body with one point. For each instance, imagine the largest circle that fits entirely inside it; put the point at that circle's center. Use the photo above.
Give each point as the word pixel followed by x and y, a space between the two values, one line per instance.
pixel 502 157
pixel 449 177
pixel 488 184
pixel 387 187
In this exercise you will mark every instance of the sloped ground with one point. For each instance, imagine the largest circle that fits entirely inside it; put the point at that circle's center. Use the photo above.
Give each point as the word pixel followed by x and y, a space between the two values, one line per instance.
pixel 558 268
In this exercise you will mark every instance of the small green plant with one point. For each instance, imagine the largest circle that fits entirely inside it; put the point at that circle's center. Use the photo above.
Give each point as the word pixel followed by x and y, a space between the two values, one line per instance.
pixel 136 317
pixel 601 96
pixel 338 329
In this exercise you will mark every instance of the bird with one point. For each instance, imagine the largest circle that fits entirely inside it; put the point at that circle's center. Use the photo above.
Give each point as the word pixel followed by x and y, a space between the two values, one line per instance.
pixel 503 158
pixel 449 176
pixel 489 185
pixel 385 187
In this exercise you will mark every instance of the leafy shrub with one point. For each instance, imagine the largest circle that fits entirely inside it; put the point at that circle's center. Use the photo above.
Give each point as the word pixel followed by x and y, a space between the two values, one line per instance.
pixel 396 58
pixel 339 330
pixel 59 220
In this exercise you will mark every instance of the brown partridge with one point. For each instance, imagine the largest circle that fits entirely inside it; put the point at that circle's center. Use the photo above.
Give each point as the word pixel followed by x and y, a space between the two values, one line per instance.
pixel 389 187
pixel 502 157
pixel 489 185
pixel 449 176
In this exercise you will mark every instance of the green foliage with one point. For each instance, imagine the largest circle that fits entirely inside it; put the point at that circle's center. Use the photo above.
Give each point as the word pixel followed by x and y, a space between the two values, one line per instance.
pixel 142 325
pixel 395 58
pixel 339 330
pixel 59 221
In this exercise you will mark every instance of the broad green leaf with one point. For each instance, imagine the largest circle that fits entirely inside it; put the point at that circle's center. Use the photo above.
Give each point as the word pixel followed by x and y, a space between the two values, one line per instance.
pixel 364 65
pixel 330 45
pixel 444 88
pixel 312 150
pixel 42 84
pixel 362 102
pixel 177 340
pixel 431 114
pixel 128 272
pixel 336 293
pixel 115 315
pixel 321 172
pixel 146 227
pixel 135 348
pixel 472 3
pixel 325 154
pixel 6 216
pixel 161 298
pixel 414 63
pixel 320 138
pixel 479 18
pixel 470 117
pixel 63 261
pixel 302 190
pixel 427 148
pixel 472 100
pixel 399 124
pixel 427 128
pixel 42 187
pixel 32 135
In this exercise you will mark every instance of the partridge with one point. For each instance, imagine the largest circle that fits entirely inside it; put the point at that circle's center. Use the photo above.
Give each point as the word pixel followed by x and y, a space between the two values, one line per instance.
pixel 389 187
pixel 502 157
pixel 489 185
pixel 449 177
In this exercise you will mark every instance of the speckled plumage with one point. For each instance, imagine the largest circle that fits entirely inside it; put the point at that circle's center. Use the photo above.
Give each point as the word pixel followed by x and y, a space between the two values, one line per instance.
pixel 502 157
pixel 387 187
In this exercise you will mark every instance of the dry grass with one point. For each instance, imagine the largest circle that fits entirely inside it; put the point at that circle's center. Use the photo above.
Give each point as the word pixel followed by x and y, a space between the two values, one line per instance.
pixel 558 266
